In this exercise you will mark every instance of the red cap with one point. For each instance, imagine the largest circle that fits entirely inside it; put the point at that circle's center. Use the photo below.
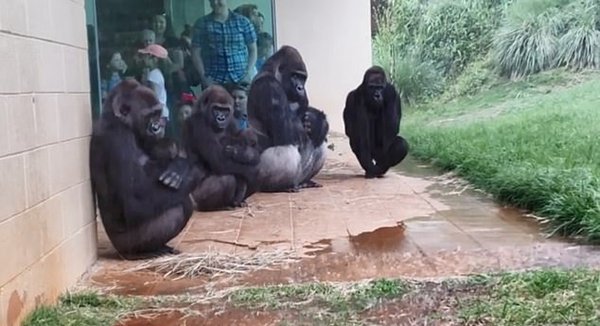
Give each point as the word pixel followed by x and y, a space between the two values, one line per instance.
pixel 155 50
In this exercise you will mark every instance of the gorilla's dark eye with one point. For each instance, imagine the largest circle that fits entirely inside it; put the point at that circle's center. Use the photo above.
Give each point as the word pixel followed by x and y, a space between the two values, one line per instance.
pixel 125 109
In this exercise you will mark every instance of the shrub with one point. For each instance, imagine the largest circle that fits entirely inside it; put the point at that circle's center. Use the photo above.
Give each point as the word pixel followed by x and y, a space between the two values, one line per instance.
pixel 454 33
pixel 580 46
pixel 528 41
pixel 527 47
pixel 473 79
pixel 397 26
pixel 524 10
pixel 416 78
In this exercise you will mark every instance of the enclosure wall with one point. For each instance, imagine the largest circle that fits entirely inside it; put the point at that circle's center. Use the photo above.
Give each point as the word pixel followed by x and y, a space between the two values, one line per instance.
pixel 334 38
pixel 47 229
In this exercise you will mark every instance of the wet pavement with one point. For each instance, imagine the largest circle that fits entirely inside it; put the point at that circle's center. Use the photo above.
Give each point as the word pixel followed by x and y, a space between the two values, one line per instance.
pixel 412 223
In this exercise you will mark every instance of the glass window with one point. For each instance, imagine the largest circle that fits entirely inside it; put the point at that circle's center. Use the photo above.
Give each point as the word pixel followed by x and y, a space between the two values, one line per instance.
pixel 216 37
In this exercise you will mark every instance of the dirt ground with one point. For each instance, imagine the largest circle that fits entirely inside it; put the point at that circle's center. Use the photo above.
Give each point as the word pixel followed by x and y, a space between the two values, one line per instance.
pixel 414 223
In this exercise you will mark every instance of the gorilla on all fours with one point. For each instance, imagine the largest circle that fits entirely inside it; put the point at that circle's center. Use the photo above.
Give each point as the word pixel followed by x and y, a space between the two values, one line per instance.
pixel 140 180
pixel 372 118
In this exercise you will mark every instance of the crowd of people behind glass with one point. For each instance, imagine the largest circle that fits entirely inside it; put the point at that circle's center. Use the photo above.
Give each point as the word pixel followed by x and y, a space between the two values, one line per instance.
pixel 226 46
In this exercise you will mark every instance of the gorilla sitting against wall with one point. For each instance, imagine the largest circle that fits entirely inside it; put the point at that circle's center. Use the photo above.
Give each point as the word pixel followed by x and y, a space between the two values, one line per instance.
pixel 291 134
pixel 141 182
pixel 372 121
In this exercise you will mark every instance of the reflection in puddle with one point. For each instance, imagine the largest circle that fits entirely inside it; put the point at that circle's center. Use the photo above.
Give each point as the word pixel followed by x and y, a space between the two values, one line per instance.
pixel 382 240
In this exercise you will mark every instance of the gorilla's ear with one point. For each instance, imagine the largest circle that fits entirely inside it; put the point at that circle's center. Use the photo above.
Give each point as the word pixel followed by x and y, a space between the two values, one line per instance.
pixel 121 109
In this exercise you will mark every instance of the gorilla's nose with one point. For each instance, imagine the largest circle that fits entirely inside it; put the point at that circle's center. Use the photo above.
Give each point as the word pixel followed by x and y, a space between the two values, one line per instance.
pixel 300 88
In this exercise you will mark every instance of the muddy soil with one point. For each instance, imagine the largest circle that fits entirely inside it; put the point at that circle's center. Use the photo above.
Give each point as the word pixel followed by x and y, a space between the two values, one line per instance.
pixel 232 316
pixel 432 304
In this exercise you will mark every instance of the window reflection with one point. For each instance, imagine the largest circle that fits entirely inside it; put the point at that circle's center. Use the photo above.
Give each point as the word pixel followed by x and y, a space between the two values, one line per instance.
pixel 178 47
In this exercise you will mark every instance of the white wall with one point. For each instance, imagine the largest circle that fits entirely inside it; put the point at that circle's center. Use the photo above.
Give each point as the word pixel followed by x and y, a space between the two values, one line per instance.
pixel 334 38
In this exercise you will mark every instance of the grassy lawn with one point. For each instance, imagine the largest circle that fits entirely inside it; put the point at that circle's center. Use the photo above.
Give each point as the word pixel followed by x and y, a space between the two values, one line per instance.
pixel 533 143
pixel 547 297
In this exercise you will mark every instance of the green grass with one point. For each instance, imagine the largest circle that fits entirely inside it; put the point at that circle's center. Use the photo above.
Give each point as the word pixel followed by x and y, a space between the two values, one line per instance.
pixel 544 297
pixel 83 309
pixel 529 143
pixel 550 297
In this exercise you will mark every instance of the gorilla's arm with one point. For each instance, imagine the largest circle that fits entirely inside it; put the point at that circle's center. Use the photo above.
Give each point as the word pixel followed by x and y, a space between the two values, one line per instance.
pixel 268 103
pixel 143 196
pixel 348 114
pixel 209 152
pixel 216 159
pixel 393 114
pixel 357 130
pixel 241 153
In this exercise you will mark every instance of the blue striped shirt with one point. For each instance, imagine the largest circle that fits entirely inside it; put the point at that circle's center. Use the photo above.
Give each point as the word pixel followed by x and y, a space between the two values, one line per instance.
pixel 224 46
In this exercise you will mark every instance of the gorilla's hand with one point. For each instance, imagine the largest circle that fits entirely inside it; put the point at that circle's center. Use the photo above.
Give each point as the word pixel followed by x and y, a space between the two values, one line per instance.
pixel 231 150
pixel 306 122
pixel 175 173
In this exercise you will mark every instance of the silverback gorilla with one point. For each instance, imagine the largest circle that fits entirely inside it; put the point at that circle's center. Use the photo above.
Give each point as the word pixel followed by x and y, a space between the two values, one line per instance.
pixel 227 157
pixel 372 122
pixel 291 134
pixel 141 183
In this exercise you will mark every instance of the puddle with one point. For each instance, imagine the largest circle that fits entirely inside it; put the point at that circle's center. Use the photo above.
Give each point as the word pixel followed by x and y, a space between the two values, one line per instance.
pixel 463 218
pixel 382 240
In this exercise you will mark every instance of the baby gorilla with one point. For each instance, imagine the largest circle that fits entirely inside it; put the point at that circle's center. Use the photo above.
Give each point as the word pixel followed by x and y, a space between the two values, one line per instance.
pixel 242 146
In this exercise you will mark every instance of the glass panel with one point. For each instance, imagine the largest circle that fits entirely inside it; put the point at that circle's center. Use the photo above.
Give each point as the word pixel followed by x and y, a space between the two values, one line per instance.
pixel 90 16
pixel 126 27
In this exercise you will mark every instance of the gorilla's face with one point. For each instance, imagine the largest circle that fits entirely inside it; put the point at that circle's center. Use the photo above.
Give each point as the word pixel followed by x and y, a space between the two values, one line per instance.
pixel 294 84
pixel 374 89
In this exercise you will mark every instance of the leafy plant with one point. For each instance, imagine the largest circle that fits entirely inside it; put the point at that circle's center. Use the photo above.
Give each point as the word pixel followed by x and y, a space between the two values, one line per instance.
pixel 580 46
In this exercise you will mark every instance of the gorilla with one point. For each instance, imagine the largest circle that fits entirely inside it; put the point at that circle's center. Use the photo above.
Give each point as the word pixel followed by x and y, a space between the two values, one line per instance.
pixel 141 183
pixel 226 156
pixel 291 134
pixel 372 122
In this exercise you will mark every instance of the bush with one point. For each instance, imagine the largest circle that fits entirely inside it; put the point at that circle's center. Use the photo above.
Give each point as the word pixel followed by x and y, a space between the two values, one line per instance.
pixel 523 10
pixel 397 26
pixel 416 79
pixel 527 47
pixel 473 79
pixel 580 46
pixel 454 33
pixel 394 50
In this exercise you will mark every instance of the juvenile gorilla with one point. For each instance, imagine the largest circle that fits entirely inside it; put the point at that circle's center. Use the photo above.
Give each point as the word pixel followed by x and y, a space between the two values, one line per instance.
pixel 141 183
pixel 372 121
pixel 291 134
pixel 227 156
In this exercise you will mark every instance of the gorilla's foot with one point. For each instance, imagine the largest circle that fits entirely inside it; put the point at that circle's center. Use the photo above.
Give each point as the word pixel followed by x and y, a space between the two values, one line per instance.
pixel 370 175
pixel 310 184
pixel 162 251
pixel 241 204
pixel 293 189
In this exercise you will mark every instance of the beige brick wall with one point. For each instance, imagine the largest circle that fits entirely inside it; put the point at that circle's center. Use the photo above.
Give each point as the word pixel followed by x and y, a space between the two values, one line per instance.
pixel 47 229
